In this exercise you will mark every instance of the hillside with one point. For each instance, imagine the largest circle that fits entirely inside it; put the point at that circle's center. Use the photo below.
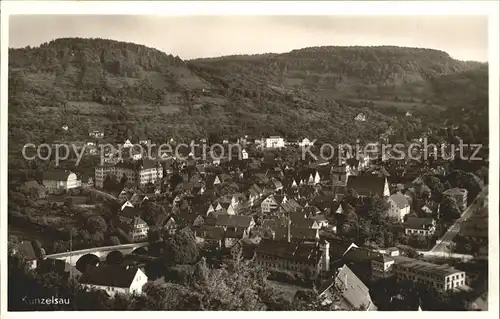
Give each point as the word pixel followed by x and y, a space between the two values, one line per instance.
pixel 341 71
pixel 130 91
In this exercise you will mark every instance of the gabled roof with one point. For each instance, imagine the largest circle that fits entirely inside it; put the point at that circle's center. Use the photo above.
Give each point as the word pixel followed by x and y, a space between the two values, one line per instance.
pixel 226 220
pixel 304 223
pixel 400 200
pixel 298 251
pixel 130 212
pixel 209 232
pixel 278 198
pixel 354 292
pixel 296 233
pixel 384 259
pixel 418 223
pixel 291 206
pixel 273 223
pixel 367 185
pixel 110 276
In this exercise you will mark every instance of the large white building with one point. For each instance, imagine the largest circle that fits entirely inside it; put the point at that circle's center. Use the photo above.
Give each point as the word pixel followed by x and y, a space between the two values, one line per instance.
pixel 399 206
pixel 435 277
pixel 312 258
pixel 60 181
pixel 114 279
pixel 138 173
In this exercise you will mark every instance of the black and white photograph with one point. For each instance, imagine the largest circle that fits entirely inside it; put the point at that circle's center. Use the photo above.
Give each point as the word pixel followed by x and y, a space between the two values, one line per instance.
pixel 230 160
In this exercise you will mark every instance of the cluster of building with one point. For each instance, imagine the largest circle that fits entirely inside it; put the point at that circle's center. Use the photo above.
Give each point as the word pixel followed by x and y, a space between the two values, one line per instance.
pixel 276 212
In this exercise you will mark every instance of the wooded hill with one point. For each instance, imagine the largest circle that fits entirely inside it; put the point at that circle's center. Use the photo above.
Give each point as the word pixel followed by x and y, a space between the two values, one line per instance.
pixel 132 91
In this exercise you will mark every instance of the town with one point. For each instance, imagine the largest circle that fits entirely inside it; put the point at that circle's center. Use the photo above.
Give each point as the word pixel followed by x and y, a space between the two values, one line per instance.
pixel 362 233
pixel 206 162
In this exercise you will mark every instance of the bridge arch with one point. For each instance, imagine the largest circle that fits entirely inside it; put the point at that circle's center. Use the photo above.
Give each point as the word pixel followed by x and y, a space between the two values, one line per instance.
pixel 114 257
pixel 87 260
pixel 140 250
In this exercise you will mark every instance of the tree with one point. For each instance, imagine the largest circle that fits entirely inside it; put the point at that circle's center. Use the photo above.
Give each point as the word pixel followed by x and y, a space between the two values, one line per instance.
pixel 175 180
pixel 114 240
pixel 181 248
pixel 435 185
pixel 61 246
pixel 373 208
pixel 239 288
pixel 469 181
pixel 68 202
pixel 449 209
pixel 96 224
pixel 123 180
pixel 483 173
pixel 153 212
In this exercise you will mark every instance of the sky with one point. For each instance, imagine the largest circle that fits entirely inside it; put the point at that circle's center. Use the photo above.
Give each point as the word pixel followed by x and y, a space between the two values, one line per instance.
pixel 189 37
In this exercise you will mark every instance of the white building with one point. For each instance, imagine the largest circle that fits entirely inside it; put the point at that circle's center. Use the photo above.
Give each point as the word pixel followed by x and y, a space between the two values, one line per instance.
pixel 435 277
pixel 137 173
pixel 60 181
pixel 114 279
pixel 244 154
pixel 274 142
pixel 420 226
pixel 399 206
pixel 127 144
pixel 272 202
pixel 305 142
pixel 360 117
pixel 293 256
pixel 340 175
pixel 96 134
pixel 314 178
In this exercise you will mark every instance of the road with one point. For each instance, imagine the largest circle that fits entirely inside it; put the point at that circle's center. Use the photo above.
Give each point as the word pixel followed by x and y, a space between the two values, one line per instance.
pixel 442 244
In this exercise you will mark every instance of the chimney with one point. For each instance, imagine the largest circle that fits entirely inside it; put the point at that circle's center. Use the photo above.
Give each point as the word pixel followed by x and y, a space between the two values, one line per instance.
pixel 325 249
pixel 288 222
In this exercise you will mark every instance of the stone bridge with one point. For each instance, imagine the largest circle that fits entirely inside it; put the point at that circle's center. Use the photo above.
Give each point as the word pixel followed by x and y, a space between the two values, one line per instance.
pixel 101 252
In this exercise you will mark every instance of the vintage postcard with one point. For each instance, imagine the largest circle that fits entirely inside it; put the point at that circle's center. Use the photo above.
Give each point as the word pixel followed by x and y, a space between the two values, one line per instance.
pixel 210 156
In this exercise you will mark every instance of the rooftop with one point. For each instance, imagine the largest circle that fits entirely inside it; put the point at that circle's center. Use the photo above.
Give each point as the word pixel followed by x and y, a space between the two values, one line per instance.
pixel 416 265
pixel 111 276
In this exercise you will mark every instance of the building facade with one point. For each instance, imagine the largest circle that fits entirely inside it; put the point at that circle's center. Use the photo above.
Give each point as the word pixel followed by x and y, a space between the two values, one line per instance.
pixel 115 280
pixel 438 278
pixel 272 203
pixel 274 142
pixel 60 181
pixel 308 258
pixel 147 172
pixel 420 226
pixel 399 206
